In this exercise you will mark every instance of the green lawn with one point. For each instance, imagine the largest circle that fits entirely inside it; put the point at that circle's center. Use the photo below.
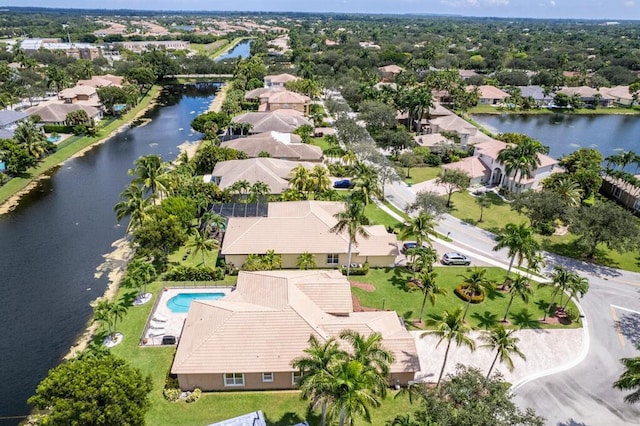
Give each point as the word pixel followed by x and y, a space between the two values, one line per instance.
pixel 420 174
pixel 321 142
pixel 390 294
pixel 74 145
pixel 280 408
pixel 499 214
pixel 192 259
pixel 377 216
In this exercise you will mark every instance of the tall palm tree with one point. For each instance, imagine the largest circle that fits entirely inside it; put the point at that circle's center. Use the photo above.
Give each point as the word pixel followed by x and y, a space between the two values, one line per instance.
pixel 578 285
pixel 569 190
pixel 102 314
pixel 426 283
pixel 319 176
pixel 141 272
pixel 349 158
pixel 420 226
pixel 258 191
pixel 366 182
pixel 475 283
pixel 300 179
pixel 369 351
pixel 147 172
pixel 133 204
pixel 315 367
pixel 202 244
pixel 500 340
pixel 630 379
pixel 560 281
pixel 520 242
pixel 353 221
pixel 452 328
pixel 32 138
pixel 117 310
pixel 240 188
pixel 519 287
pixel 521 159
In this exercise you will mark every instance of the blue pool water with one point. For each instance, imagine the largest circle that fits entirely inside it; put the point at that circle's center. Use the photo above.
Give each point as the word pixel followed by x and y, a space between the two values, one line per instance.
pixel 180 303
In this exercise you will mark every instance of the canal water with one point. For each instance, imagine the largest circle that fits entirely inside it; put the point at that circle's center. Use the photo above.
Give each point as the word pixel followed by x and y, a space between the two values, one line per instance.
pixel 565 133
pixel 52 246
pixel 242 50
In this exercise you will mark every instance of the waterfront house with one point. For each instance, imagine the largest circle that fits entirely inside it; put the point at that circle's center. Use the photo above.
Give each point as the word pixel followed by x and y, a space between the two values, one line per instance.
pixel 79 93
pixel 248 339
pixel 282 120
pixel 56 113
pixel 272 171
pixel 619 94
pixel 540 96
pixel 489 95
pixel 285 146
pixel 588 95
pixel 292 228
pixel 284 99
pixel 9 121
pixel 624 193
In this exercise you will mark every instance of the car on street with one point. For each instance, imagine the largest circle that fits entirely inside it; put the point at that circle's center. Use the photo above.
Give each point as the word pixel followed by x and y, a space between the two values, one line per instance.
pixel 343 184
pixel 455 258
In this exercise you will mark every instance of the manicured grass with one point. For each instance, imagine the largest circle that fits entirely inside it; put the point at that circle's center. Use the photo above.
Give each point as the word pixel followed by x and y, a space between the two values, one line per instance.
pixel 211 49
pixel 420 174
pixel 377 216
pixel 321 142
pixel 192 259
pixel 280 407
pixel 69 148
pixel 391 294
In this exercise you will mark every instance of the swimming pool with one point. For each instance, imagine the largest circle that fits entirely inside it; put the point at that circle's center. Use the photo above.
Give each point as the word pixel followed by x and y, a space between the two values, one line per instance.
pixel 180 303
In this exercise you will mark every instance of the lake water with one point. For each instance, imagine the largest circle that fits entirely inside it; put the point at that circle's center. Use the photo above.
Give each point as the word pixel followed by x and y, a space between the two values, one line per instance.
pixel 242 50
pixel 52 245
pixel 565 133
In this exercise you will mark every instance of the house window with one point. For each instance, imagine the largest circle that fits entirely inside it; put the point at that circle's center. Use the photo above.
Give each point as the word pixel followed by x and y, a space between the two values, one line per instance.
pixel 267 377
pixel 332 259
pixel 295 377
pixel 234 379
pixel 617 191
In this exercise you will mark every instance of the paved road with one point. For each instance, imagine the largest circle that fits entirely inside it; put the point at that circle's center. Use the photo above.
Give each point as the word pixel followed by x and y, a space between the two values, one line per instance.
pixel 582 395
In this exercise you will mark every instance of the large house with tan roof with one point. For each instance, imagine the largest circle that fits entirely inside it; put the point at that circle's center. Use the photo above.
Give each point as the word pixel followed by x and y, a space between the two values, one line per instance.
pixel 56 113
pixel 106 80
pixel 284 99
pixel 282 120
pixel 248 339
pixel 271 171
pixel 489 95
pixel 285 146
pixel 279 80
pixel 295 227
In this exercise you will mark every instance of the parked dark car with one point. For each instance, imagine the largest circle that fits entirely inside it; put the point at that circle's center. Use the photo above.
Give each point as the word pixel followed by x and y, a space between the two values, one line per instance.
pixel 409 245
pixel 343 184
pixel 455 258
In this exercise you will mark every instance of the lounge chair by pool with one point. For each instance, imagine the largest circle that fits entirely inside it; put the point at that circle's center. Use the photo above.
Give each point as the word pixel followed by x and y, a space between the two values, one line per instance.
pixel 160 318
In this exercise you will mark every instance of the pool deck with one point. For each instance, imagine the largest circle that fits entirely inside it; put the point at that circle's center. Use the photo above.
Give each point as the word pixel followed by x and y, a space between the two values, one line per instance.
pixel 155 329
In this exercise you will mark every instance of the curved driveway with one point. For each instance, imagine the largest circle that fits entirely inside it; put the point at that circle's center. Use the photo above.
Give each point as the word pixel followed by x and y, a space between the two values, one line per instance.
pixel 582 395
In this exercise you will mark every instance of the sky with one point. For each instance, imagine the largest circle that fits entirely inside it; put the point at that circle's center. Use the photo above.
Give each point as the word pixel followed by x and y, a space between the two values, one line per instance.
pixel 579 9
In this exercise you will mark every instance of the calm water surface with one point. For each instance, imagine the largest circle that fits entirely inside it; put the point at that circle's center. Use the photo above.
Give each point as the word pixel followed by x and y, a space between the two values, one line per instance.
pixel 53 244
pixel 242 50
pixel 564 134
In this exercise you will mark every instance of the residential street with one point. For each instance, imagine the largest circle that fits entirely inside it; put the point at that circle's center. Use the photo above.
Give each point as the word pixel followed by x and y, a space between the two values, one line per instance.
pixel 583 394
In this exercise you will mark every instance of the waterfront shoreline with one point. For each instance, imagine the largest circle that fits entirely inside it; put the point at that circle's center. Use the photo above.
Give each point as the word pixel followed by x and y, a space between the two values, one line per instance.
pixel 12 201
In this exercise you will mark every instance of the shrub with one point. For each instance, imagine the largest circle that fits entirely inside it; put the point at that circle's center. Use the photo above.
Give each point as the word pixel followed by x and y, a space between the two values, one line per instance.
pixel 358 270
pixel 461 291
pixel 195 273
pixel 194 396
pixel 573 314
pixel 172 394
pixel 54 128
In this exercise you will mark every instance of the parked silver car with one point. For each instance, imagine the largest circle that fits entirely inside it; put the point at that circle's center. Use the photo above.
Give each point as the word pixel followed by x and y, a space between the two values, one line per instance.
pixel 455 258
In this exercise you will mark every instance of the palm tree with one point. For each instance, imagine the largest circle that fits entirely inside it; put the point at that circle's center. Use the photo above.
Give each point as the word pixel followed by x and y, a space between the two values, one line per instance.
pixel 519 287
pixel 319 176
pixel 353 221
pixel 475 283
pixel 420 226
pixel 272 260
pixel 147 172
pixel 484 203
pixel 300 179
pixel 32 138
pixel 630 379
pixel 577 286
pixel 452 328
pixel 521 159
pixel 141 272
pixel 306 260
pixel 366 182
pixel 427 284
pixel 133 204
pixel 560 280
pixel 369 351
pixel 569 190
pixel 520 242
pixel 202 244
pixel 500 340
pixel 102 314
pixel 258 191
pixel 240 188
pixel 314 367
pixel 349 158
pixel 117 311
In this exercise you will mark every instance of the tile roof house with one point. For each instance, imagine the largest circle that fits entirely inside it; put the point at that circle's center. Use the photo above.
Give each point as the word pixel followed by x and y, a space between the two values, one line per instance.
pixel 620 94
pixel 279 80
pixel 9 121
pixel 56 113
pixel 247 340
pixel 285 146
pixel 488 152
pixel 272 171
pixel 282 120
pixel 79 93
pixel 623 192
pixel 106 80
pixel 284 99
pixel 537 93
pixel 389 72
pixel 472 166
pixel 292 228
pixel 490 95
pixel 588 95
